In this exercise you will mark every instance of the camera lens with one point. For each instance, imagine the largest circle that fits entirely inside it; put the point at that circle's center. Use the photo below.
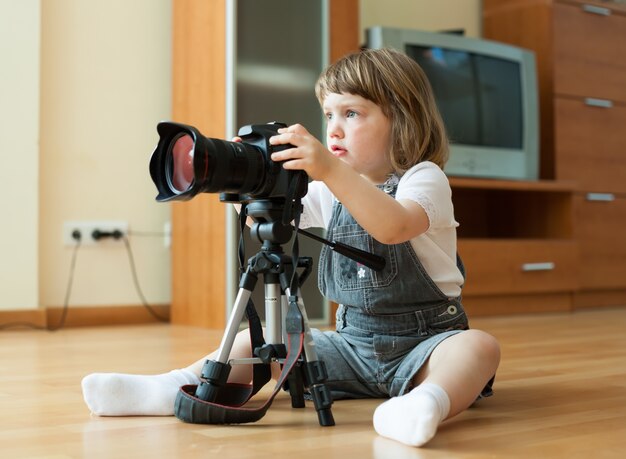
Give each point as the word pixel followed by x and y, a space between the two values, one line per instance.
pixel 180 163
pixel 185 163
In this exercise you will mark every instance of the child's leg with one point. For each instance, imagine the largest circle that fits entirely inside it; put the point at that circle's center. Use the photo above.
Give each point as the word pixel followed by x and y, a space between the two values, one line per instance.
pixel 450 381
pixel 114 394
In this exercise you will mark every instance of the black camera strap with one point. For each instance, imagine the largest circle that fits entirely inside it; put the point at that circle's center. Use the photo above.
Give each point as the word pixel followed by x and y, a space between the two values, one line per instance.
pixel 292 212
pixel 228 407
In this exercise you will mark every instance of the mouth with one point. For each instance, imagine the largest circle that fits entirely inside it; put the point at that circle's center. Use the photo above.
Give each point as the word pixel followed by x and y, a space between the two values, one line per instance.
pixel 337 150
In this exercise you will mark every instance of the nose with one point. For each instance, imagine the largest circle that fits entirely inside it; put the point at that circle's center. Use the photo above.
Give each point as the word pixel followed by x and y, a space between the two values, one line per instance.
pixel 333 129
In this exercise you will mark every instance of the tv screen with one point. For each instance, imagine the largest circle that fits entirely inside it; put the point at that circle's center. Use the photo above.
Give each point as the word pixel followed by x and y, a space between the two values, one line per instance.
pixel 479 97
pixel 487 95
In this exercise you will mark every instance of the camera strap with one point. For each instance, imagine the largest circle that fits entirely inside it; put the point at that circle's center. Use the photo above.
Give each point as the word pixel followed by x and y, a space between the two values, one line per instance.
pixel 228 407
pixel 292 212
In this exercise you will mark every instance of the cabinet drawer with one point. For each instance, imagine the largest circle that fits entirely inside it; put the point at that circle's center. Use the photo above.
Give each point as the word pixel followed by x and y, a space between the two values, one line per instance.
pixel 589 52
pixel 600 232
pixel 590 145
pixel 519 266
pixel 614 6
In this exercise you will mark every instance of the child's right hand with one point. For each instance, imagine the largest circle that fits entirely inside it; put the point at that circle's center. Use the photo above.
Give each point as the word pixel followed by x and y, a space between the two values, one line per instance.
pixel 307 154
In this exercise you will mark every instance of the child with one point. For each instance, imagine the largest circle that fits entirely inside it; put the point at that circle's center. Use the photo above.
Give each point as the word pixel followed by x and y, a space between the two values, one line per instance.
pixel 401 332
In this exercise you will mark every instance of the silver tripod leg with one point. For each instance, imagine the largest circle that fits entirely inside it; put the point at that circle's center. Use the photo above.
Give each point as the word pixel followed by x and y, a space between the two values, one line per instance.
pixel 232 328
pixel 273 314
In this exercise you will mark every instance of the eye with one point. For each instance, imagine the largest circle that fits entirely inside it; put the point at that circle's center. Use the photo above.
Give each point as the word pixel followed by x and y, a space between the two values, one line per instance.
pixel 329 116
pixel 351 114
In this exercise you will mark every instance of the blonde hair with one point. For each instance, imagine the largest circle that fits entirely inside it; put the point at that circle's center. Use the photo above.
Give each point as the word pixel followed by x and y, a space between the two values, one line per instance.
pixel 398 85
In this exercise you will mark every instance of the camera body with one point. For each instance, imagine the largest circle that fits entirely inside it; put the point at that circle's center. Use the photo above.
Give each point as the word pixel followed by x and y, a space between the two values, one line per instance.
pixel 185 163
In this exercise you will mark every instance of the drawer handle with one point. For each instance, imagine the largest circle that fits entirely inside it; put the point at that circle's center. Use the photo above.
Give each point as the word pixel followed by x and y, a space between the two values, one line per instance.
pixel 603 197
pixel 546 266
pixel 600 11
pixel 602 103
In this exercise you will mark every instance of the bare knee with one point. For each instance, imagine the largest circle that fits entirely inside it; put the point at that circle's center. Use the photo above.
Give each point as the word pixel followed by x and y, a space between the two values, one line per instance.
pixel 483 345
pixel 474 350
pixel 474 347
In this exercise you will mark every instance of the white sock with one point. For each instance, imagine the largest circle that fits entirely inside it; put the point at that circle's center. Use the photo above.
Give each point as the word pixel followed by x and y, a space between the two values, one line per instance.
pixel 114 394
pixel 413 418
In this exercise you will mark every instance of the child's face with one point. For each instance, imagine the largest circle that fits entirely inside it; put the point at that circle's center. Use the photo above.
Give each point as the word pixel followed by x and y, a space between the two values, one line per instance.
pixel 358 133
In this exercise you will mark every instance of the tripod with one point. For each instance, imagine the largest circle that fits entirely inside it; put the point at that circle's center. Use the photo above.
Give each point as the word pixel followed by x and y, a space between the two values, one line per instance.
pixel 288 338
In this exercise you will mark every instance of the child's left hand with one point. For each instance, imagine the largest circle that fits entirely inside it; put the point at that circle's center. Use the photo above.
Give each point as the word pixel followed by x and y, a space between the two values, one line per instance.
pixel 308 153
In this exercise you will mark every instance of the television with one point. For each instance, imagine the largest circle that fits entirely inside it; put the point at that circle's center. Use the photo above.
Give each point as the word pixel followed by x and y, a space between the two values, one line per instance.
pixel 487 95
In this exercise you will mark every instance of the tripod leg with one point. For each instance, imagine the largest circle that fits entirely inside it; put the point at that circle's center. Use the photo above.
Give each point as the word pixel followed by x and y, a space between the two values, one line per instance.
pixel 273 310
pixel 315 373
pixel 215 372
pixel 296 387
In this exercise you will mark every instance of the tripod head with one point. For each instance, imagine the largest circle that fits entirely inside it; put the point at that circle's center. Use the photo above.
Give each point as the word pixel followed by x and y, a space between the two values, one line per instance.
pixel 270 229
pixel 269 221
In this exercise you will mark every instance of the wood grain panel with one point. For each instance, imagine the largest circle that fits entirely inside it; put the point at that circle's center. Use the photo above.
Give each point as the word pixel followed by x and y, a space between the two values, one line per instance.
pixel 591 145
pixel 524 212
pixel 589 58
pixel 507 305
pixel 198 226
pixel 344 27
pixel 559 393
pixel 597 299
pixel 499 266
pixel 600 229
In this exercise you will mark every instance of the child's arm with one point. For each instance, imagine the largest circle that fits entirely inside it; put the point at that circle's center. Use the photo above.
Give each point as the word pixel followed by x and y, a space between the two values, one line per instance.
pixel 386 219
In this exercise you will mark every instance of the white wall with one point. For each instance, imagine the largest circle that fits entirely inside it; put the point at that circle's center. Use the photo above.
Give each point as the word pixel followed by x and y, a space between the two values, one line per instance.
pixel 106 82
pixel 19 152
pixel 431 15
pixel 88 81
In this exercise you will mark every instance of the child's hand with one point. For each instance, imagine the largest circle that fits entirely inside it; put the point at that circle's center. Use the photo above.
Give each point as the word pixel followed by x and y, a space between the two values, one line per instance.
pixel 308 153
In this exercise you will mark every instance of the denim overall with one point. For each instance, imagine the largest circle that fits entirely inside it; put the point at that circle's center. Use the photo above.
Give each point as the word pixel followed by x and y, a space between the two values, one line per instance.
pixel 388 322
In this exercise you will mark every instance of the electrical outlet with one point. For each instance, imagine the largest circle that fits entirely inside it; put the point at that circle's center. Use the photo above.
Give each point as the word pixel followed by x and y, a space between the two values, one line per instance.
pixel 87 228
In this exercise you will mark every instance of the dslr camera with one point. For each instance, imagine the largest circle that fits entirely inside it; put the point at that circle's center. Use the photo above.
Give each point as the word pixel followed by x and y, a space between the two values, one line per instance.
pixel 186 163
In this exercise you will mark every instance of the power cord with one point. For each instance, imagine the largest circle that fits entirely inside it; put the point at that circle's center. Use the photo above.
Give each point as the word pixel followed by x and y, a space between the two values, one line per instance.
pixel 68 290
pixel 97 235
pixel 133 270
pixel 77 237
pixel 117 234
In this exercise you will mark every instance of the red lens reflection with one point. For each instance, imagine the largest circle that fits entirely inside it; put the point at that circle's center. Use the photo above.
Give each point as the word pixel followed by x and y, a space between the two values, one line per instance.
pixel 182 159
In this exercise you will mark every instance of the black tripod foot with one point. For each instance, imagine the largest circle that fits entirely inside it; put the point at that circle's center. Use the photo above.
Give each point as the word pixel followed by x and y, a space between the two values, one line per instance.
pixel 215 375
pixel 322 398
pixel 295 384
pixel 326 418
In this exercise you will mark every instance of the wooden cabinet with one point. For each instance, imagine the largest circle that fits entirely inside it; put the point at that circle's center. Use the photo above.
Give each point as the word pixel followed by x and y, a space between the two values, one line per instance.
pixel 579 48
pixel 516 241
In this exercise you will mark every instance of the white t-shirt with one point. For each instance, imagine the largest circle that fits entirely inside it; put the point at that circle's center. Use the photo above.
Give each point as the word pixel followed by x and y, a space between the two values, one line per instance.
pixel 427 185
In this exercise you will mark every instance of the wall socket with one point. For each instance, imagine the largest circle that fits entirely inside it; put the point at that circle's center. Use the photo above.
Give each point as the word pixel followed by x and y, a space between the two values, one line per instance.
pixel 87 228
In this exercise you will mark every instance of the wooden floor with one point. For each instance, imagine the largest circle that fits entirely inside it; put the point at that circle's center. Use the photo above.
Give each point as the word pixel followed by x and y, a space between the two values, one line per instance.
pixel 560 392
